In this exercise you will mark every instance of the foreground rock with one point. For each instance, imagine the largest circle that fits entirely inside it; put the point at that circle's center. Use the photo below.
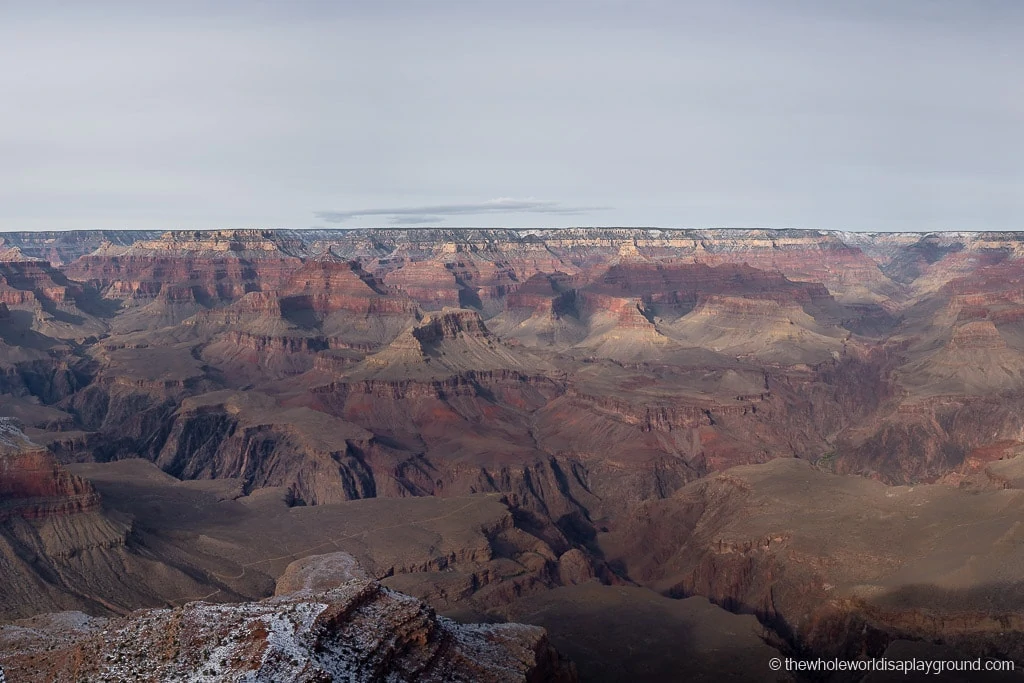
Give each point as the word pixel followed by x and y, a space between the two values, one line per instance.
pixel 359 631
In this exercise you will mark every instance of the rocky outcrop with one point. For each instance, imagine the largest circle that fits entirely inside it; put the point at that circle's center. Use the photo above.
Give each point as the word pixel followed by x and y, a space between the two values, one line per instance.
pixel 574 567
pixel 319 573
pixel 33 485
pixel 447 343
pixel 357 631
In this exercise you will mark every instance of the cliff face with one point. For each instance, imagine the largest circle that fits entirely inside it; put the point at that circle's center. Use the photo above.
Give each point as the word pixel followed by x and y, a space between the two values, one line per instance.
pixel 327 286
pixel 33 485
pixel 41 300
pixel 58 548
pixel 239 435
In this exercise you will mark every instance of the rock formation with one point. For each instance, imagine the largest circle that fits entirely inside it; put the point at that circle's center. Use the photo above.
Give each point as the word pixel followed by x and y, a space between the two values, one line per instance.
pixel 58 549
pixel 33 485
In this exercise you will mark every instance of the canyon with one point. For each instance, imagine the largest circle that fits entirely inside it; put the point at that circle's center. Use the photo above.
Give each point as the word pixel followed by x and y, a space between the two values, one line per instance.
pixel 680 452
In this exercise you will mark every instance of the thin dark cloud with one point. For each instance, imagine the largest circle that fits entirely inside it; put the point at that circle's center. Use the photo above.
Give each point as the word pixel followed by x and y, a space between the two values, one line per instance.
pixel 414 215
pixel 416 220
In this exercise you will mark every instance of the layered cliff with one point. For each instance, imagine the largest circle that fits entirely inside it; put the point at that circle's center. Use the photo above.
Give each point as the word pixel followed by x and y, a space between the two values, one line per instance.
pixel 63 247
pixel 33 485
pixel 59 549
pixel 211 268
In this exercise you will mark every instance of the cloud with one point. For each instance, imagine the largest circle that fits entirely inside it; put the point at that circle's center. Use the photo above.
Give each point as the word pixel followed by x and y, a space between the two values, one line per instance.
pixel 413 219
pixel 413 215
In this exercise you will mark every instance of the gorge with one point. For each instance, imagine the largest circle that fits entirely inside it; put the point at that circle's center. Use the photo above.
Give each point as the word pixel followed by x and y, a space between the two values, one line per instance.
pixel 748 443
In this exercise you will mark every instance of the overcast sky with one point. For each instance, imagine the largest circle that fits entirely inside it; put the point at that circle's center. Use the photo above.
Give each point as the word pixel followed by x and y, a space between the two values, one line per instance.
pixel 886 115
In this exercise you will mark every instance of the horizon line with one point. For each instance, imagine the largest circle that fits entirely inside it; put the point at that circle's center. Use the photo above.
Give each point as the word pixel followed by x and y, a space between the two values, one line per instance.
pixel 424 228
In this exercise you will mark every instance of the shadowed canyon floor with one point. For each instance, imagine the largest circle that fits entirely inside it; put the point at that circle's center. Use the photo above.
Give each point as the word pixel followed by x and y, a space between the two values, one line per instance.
pixel 681 452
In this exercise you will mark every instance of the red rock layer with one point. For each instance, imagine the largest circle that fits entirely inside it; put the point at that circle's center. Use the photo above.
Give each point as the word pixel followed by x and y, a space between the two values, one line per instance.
pixel 539 292
pixel 628 312
pixel 26 282
pixel 676 281
pixel 449 325
pixel 429 283
pixel 33 485
pixel 218 266
pixel 329 286
pixel 977 335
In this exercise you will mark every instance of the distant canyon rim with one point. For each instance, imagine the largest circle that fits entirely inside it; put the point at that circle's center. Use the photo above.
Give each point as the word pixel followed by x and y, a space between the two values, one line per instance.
pixel 681 452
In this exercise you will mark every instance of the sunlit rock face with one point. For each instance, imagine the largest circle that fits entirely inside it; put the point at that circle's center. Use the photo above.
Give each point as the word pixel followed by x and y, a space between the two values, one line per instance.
pixel 33 485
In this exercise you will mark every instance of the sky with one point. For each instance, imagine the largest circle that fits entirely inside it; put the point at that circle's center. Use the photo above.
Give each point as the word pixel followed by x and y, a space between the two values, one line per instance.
pixel 847 115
